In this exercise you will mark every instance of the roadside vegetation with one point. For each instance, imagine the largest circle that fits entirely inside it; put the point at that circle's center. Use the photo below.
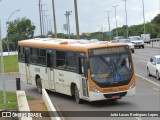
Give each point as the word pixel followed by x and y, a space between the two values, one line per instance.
pixel 10 64
pixel 11 101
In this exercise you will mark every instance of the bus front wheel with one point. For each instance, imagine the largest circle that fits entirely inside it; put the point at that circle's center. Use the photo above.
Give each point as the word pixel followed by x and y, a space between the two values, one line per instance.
pixel 39 85
pixel 77 98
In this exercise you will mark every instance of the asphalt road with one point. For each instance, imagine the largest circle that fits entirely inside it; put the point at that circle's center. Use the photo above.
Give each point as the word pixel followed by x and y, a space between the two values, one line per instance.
pixel 147 94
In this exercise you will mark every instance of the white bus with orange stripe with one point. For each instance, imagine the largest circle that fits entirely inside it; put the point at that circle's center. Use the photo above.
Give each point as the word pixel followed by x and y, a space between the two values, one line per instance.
pixel 89 70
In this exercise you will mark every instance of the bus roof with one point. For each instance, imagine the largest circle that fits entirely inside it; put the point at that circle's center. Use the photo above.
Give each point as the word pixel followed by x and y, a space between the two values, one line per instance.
pixel 66 44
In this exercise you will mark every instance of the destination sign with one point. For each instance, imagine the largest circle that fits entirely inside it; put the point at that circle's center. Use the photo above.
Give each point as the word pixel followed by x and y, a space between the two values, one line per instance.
pixel 109 50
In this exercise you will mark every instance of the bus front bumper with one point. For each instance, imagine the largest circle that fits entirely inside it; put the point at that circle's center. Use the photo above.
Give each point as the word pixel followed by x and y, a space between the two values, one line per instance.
pixel 113 95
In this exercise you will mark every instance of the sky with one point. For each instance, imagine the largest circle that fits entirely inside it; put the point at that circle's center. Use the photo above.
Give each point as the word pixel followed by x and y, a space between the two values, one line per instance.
pixel 92 13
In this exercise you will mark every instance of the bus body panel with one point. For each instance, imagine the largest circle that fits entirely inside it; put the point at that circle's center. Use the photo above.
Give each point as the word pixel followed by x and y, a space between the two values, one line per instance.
pixel 63 80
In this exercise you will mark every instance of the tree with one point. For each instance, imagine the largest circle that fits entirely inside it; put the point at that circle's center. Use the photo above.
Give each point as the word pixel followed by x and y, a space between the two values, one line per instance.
pixel 20 29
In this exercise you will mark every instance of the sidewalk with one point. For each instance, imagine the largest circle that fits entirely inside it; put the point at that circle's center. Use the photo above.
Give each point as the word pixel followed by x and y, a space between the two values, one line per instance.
pixel 38 105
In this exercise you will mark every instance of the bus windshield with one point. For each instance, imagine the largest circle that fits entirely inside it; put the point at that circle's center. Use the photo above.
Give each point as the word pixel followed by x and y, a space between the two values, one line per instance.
pixel 111 70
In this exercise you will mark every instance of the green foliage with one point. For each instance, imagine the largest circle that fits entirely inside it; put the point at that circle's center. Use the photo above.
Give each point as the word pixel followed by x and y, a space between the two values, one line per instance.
pixel 152 28
pixel 20 29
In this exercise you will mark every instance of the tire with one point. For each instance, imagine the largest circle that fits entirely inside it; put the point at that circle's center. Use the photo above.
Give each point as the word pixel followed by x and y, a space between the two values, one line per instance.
pixel 78 100
pixel 143 47
pixel 148 72
pixel 157 76
pixel 39 85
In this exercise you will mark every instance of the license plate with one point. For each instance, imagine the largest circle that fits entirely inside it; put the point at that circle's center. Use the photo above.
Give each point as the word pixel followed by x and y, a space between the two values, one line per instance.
pixel 115 97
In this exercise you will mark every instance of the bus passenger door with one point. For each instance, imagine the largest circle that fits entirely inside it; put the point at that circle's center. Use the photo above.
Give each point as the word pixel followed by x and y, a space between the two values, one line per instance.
pixel 50 63
pixel 27 53
pixel 83 72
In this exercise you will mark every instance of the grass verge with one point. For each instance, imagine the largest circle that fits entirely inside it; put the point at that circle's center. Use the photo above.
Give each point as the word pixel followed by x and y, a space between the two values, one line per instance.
pixel 10 64
pixel 11 101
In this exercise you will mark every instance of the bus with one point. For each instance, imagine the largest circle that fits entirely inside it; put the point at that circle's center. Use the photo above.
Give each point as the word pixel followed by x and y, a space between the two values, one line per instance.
pixel 86 69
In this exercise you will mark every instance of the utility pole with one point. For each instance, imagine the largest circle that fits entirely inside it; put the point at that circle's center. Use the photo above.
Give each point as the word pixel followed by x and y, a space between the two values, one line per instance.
pixel 68 13
pixel 40 17
pixel 144 18
pixel 44 22
pixel 109 25
pixel 66 22
pixel 54 18
pixel 116 18
pixel 126 18
pixel 2 67
pixel 76 17
pixel 47 20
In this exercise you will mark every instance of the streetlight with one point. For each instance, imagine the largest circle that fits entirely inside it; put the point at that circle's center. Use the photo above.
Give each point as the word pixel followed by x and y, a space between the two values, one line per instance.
pixel 76 17
pixel 109 25
pixel 68 13
pixel 47 23
pixel 116 18
pixel 126 18
pixel 42 18
pixel 7 26
pixel 2 67
pixel 54 18
pixel 144 17
pixel 44 25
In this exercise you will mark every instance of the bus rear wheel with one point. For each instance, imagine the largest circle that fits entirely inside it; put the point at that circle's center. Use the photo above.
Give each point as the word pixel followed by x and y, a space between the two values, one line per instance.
pixel 39 85
pixel 77 98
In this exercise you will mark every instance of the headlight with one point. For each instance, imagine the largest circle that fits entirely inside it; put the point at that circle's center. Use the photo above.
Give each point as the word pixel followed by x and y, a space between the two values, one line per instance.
pixel 95 89
pixel 132 85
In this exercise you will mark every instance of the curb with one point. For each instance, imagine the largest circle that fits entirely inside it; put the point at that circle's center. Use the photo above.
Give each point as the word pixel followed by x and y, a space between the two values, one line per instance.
pixel 50 106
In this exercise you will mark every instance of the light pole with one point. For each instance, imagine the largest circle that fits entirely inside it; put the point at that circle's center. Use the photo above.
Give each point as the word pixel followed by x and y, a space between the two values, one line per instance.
pixel 47 24
pixel 109 25
pixel 68 13
pixel 76 17
pixel 116 18
pixel 44 22
pixel 7 27
pixel 2 67
pixel 126 18
pixel 40 16
pixel 54 18
pixel 144 17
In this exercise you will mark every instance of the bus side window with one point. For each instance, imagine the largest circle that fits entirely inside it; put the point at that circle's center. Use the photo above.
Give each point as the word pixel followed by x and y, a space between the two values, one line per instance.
pixel 50 60
pixel 21 54
pixel 71 61
pixel 33 55
pixel 60 59
pixel 82 67
pixel 42 57
pixel 27 54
